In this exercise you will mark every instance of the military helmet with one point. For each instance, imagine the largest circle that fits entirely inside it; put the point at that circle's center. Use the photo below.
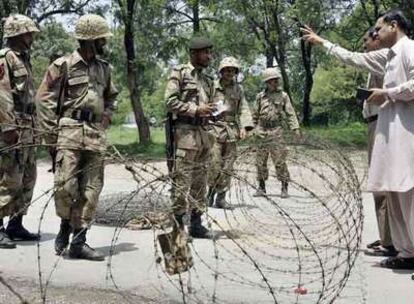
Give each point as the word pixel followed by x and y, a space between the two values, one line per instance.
pixel 17 24
pixel 200 43
pixel 271 73
pixel 91 27
pixel 229 62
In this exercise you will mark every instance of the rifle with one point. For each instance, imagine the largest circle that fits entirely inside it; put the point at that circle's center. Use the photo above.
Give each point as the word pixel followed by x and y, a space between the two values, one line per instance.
pixel 170 142
pixel 59 107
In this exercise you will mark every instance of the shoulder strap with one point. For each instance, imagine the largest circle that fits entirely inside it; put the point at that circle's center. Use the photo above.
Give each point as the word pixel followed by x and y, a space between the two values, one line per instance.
pixel 62 87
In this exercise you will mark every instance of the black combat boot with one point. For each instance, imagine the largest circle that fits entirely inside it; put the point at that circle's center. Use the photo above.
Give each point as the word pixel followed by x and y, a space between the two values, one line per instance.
pixel 262 189
pixel 80 250
pixel 17 232
pixel 284 192
pixel 5 242
pixel 197 230
pixel 211 196
pixel 221 202
pixel 62 238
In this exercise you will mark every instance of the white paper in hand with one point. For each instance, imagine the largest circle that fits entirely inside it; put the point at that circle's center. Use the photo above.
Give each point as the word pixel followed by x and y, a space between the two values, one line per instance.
pixel 220 108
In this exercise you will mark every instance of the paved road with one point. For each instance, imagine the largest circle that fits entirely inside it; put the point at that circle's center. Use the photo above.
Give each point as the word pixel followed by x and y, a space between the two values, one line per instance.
pixel 133 276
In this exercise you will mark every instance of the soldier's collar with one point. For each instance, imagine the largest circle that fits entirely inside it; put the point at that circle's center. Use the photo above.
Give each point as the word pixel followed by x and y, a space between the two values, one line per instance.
pixel 191 67
pixel 76 57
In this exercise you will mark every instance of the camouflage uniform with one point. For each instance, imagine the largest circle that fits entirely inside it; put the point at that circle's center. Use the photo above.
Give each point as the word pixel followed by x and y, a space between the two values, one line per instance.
pixel 187 88
pixel 77 131
pixel 227 131
pixel 17 162
pixel 273 112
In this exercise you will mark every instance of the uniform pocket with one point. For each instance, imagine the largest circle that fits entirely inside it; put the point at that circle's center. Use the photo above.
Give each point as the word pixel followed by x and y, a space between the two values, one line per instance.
pixel 20 75
pixel 70 135
pixel 187 139
pixel 77 86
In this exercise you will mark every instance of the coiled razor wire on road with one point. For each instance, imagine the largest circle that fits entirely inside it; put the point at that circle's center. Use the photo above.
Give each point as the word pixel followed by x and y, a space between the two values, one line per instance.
pixel 272 250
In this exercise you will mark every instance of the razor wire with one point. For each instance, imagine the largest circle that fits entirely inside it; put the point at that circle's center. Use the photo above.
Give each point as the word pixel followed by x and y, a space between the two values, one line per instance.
pixel 296 250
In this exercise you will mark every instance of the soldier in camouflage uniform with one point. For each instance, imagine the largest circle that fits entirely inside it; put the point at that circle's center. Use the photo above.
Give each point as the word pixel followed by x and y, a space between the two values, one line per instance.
pixel 189 96
pixel 230 127
pixel 17 128
pixel 272 113
pixel 75 103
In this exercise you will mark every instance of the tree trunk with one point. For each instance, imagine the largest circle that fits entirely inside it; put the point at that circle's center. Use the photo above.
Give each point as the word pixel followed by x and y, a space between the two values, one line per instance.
pixel 306 59
pixel 196 16
pixel 133 86
pixel 280 52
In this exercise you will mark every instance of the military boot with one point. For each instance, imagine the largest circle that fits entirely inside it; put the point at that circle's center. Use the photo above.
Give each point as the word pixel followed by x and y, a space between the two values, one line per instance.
pixel 221 202
pixel 197 230
pixel 210 196
pixel 284 192
pixel 62 238
pixel 80 250
pixel 5 242
pixel 16 231
pixel 262 189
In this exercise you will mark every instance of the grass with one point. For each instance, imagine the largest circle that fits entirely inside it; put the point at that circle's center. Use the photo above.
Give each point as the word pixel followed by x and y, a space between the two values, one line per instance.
pixel 353 135
pixel 126 141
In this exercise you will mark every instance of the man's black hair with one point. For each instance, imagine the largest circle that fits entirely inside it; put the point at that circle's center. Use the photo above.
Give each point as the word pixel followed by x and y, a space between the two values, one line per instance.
pixel 398 16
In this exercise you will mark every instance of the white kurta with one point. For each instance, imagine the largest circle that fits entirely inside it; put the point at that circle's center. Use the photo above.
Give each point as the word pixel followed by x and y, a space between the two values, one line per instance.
pixel 392 163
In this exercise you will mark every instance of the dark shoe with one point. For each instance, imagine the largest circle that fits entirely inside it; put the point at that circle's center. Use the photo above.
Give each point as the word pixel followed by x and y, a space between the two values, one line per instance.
pixel 17 232
pixel 284 192
pixel 62 238
pixel 80 250
pixel 374 244
pixel 201 232
pixel 5 242
pixel 398 263
pixel 221 202
pixel 211 196
pixel 382 251
pixel 197 230
pixel 262 189
pixel 85 252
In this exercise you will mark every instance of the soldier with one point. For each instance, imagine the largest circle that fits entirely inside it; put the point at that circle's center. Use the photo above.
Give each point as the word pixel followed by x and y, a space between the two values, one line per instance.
pixel 18 159
pixel 230 127
pixel 272 112
pixel 189 96
pixel 75 103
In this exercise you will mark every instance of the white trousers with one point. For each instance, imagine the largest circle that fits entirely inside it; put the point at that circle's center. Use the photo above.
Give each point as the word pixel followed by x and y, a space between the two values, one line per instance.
pixel 401 218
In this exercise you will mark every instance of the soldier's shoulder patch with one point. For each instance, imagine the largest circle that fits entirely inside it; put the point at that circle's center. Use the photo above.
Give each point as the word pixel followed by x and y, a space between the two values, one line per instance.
pixel 60 60
pixel 3 52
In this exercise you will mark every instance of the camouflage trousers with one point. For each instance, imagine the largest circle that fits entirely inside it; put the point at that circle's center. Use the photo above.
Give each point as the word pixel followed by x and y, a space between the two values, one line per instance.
pixel 223 156
pixel 190 170
pixel 17 180
pixel 278 156
pixel 79 180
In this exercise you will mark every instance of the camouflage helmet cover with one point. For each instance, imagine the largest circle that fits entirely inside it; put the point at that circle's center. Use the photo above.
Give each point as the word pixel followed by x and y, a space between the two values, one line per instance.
pixel 271 73
pixel 17 24
pixel 91 27
pixel 229 62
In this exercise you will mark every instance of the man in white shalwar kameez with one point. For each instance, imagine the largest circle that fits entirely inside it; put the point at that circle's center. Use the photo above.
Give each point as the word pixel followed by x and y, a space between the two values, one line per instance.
pixel 392 164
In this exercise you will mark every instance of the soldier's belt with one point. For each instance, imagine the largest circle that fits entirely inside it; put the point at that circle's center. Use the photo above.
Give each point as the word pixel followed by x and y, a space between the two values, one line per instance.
pixel 194 121
pixel 82 115
pixel 269 124
pixel 28 108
